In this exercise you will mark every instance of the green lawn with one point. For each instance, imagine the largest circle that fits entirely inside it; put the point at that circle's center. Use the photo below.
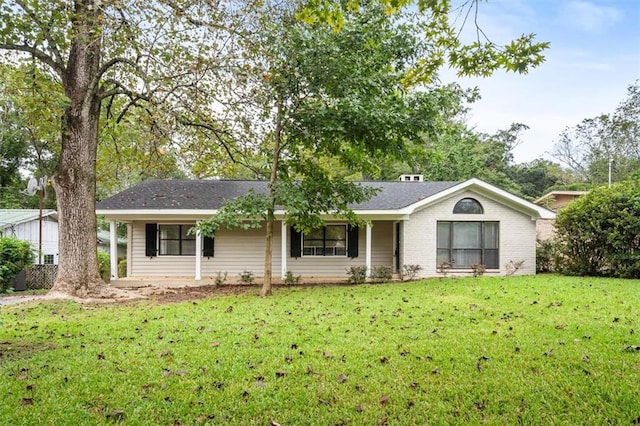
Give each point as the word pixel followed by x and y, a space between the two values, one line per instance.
pixel 517 350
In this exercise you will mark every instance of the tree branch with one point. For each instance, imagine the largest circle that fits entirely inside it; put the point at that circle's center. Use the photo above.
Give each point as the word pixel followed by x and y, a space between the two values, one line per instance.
pixel 38 54
pixel 57 56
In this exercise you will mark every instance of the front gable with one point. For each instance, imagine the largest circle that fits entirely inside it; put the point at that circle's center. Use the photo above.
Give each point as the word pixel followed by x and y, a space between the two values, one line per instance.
pixel 475 188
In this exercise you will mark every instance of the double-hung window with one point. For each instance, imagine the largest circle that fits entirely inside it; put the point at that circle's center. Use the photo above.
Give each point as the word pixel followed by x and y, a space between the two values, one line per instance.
pixel 330 240
pixel 175 240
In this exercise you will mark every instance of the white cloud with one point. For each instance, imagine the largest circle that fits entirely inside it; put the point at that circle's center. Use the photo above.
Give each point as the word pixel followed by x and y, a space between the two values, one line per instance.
pixel 587 16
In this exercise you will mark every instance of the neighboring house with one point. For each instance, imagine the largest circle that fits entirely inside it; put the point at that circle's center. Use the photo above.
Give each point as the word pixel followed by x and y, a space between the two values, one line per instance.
pixel 410 223
pixel 25 224
pixel 104 243
pixel 554 200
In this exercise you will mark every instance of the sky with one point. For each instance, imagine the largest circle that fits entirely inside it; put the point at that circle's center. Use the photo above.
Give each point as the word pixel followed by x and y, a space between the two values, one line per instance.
pixel 593 58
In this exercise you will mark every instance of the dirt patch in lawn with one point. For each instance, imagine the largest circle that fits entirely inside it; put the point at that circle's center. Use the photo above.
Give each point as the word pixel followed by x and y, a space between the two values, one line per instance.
pixel 185 294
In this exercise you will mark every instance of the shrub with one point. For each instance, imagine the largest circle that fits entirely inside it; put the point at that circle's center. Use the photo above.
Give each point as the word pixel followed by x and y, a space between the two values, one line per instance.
pixel 547 256
pixel 410 272
pixel 478 269
pixel 380 274
pixel 221 278
pixel 512 267
pixel 443 268
pixel 357 274
pixel 122 268
pixel 599 233
pixel 104 265
pixel 246 277
pixel 15 255
pixel 290 279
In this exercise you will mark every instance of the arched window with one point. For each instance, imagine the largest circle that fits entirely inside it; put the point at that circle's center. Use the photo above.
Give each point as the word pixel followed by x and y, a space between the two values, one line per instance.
pixel 468 206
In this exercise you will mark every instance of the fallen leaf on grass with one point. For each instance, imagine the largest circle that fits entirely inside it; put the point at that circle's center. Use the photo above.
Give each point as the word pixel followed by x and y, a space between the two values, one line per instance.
pixel 116 415
pixel 273 423
pixel 342 378
pixel 214 344
pixel 384 400
pixel 632 348
pixel 281 373
pixel 27 401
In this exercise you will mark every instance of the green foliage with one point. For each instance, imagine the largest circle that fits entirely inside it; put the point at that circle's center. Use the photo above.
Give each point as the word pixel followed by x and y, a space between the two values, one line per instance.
pixel 381 274
pixel 15 255
pixel 608 139
pixel 357 274
pixel 599 233
pixel 290 279
pixel 246 277
pixel 122 268
pixel 547 256
pixel 479 58
pixel 104 265
pixel 480 351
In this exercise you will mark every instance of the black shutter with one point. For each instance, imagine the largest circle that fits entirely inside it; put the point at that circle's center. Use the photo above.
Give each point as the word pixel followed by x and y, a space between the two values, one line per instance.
pixel 296 243
pixel 207 246
pixel 151 239
pixel 352 241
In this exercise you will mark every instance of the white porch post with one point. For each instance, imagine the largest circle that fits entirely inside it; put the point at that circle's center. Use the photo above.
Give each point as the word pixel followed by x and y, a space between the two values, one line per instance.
pixel 198 275
pixel 113 249
pixel 129 248
pixel 283 249
pixel 368 249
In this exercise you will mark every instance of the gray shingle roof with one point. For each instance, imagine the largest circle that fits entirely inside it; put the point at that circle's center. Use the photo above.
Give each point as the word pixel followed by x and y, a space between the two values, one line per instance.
pixel 213 194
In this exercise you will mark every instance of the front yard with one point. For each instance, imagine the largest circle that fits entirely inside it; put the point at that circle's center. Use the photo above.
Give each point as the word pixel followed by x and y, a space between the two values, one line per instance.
pixel 510 350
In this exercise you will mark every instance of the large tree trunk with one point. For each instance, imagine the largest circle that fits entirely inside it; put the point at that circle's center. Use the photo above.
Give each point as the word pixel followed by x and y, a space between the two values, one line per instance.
pixel 75 179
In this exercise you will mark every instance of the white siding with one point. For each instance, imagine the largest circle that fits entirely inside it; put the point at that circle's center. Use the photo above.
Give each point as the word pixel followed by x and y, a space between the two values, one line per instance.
pixel 30 231
pixel 334 266
pixel 517 234
pixel 235 251
pixel 238 250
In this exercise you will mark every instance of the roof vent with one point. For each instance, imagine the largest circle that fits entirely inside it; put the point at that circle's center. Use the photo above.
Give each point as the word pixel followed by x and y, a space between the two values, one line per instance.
pixel 411 178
